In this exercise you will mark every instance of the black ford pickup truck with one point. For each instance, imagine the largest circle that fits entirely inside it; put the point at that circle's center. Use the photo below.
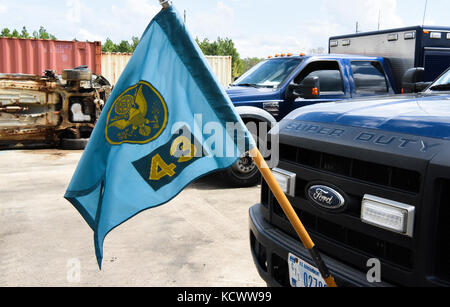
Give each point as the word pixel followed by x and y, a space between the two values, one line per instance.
pixel 370 180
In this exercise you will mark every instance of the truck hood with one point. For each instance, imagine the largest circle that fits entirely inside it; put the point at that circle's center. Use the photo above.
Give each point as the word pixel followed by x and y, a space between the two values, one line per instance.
pixel 245 94
pixel 422 115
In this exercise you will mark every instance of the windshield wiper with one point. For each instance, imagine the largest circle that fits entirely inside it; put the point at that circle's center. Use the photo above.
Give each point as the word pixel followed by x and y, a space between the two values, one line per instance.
pixel 441 87
pixel 247 85
pixel 254 85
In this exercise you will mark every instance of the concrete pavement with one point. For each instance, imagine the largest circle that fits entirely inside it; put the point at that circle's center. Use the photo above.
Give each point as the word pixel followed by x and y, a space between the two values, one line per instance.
pixel 199 239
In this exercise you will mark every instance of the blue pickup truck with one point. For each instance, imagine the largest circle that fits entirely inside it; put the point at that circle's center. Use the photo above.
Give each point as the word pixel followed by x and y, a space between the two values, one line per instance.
pixel 389 61
pixel 370 180
pixel 276 86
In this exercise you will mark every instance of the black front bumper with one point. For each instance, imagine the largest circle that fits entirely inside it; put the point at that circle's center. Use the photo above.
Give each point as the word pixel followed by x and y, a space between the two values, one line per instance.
pixel 270 249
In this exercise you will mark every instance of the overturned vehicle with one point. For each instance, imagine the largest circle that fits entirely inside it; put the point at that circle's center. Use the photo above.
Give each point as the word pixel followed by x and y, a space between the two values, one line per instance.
pixel 51 110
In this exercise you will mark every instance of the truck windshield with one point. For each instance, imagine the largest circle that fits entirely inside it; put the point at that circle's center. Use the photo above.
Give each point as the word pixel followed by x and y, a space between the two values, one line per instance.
pixel 442 84
pixel 269 73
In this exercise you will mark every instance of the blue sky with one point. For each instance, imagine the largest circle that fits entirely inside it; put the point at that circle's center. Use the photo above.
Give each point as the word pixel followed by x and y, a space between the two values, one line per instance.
pixel 258 27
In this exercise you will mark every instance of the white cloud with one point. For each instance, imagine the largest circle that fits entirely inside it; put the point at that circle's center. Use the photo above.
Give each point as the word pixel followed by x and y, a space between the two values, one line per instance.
pixel 430 22
pixel 74 13
pixel 117 22
pixel 265 45
pixel 221 21
pixel 3 8
pixel 217 22
pixel 317 32
pixel 141 8
pixel 366 13
pixel 336 19
pixel 130 19
pixel 85 34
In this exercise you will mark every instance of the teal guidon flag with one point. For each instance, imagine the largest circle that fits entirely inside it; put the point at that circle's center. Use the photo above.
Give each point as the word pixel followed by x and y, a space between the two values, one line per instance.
pixel 167 123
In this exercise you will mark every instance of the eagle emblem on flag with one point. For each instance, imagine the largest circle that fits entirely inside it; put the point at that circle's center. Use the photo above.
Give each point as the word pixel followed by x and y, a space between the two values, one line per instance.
pixel 138 116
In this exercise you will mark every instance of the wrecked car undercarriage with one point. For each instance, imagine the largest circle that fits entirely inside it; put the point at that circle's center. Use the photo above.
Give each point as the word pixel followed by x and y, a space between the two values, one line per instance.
pixel 52 110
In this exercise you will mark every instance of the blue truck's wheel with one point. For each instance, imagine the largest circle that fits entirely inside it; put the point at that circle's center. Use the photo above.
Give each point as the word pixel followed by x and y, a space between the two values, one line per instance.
pixel 243 173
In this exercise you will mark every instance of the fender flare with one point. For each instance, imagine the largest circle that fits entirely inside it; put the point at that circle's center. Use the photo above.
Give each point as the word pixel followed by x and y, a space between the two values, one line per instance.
pixel 247 112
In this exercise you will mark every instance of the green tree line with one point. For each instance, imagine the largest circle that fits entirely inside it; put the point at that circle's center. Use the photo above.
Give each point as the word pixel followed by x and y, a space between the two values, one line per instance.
pixel 40 34
pixel 123 47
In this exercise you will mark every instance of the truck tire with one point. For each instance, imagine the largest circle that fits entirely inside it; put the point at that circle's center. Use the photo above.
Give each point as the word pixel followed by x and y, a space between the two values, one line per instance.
pixel 243 173
pixel 76 75
pixel 74 144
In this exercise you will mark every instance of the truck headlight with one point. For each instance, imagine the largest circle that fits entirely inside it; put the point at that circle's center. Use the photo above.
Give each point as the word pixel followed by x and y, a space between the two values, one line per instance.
pixel 286 180
pixel 388 214
pixel 435 35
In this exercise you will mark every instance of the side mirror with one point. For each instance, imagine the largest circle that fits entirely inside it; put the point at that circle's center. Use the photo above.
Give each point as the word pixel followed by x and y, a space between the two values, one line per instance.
pixel 308 89
pixel 412 81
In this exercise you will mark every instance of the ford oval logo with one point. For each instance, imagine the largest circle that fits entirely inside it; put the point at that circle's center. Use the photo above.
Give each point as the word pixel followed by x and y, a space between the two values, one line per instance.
pixel 326 197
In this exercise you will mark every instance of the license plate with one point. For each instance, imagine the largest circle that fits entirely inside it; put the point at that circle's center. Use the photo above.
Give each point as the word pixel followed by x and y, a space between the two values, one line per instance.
pixel 302 274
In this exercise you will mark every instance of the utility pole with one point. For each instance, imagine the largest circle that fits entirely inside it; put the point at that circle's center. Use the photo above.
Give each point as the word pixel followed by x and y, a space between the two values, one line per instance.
pixel 379 19
pixel 425 12
pixel 184 16
pixel 357 27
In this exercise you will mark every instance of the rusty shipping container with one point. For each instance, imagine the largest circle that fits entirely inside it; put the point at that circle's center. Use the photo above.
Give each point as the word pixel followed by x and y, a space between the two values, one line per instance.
pixel 33 56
